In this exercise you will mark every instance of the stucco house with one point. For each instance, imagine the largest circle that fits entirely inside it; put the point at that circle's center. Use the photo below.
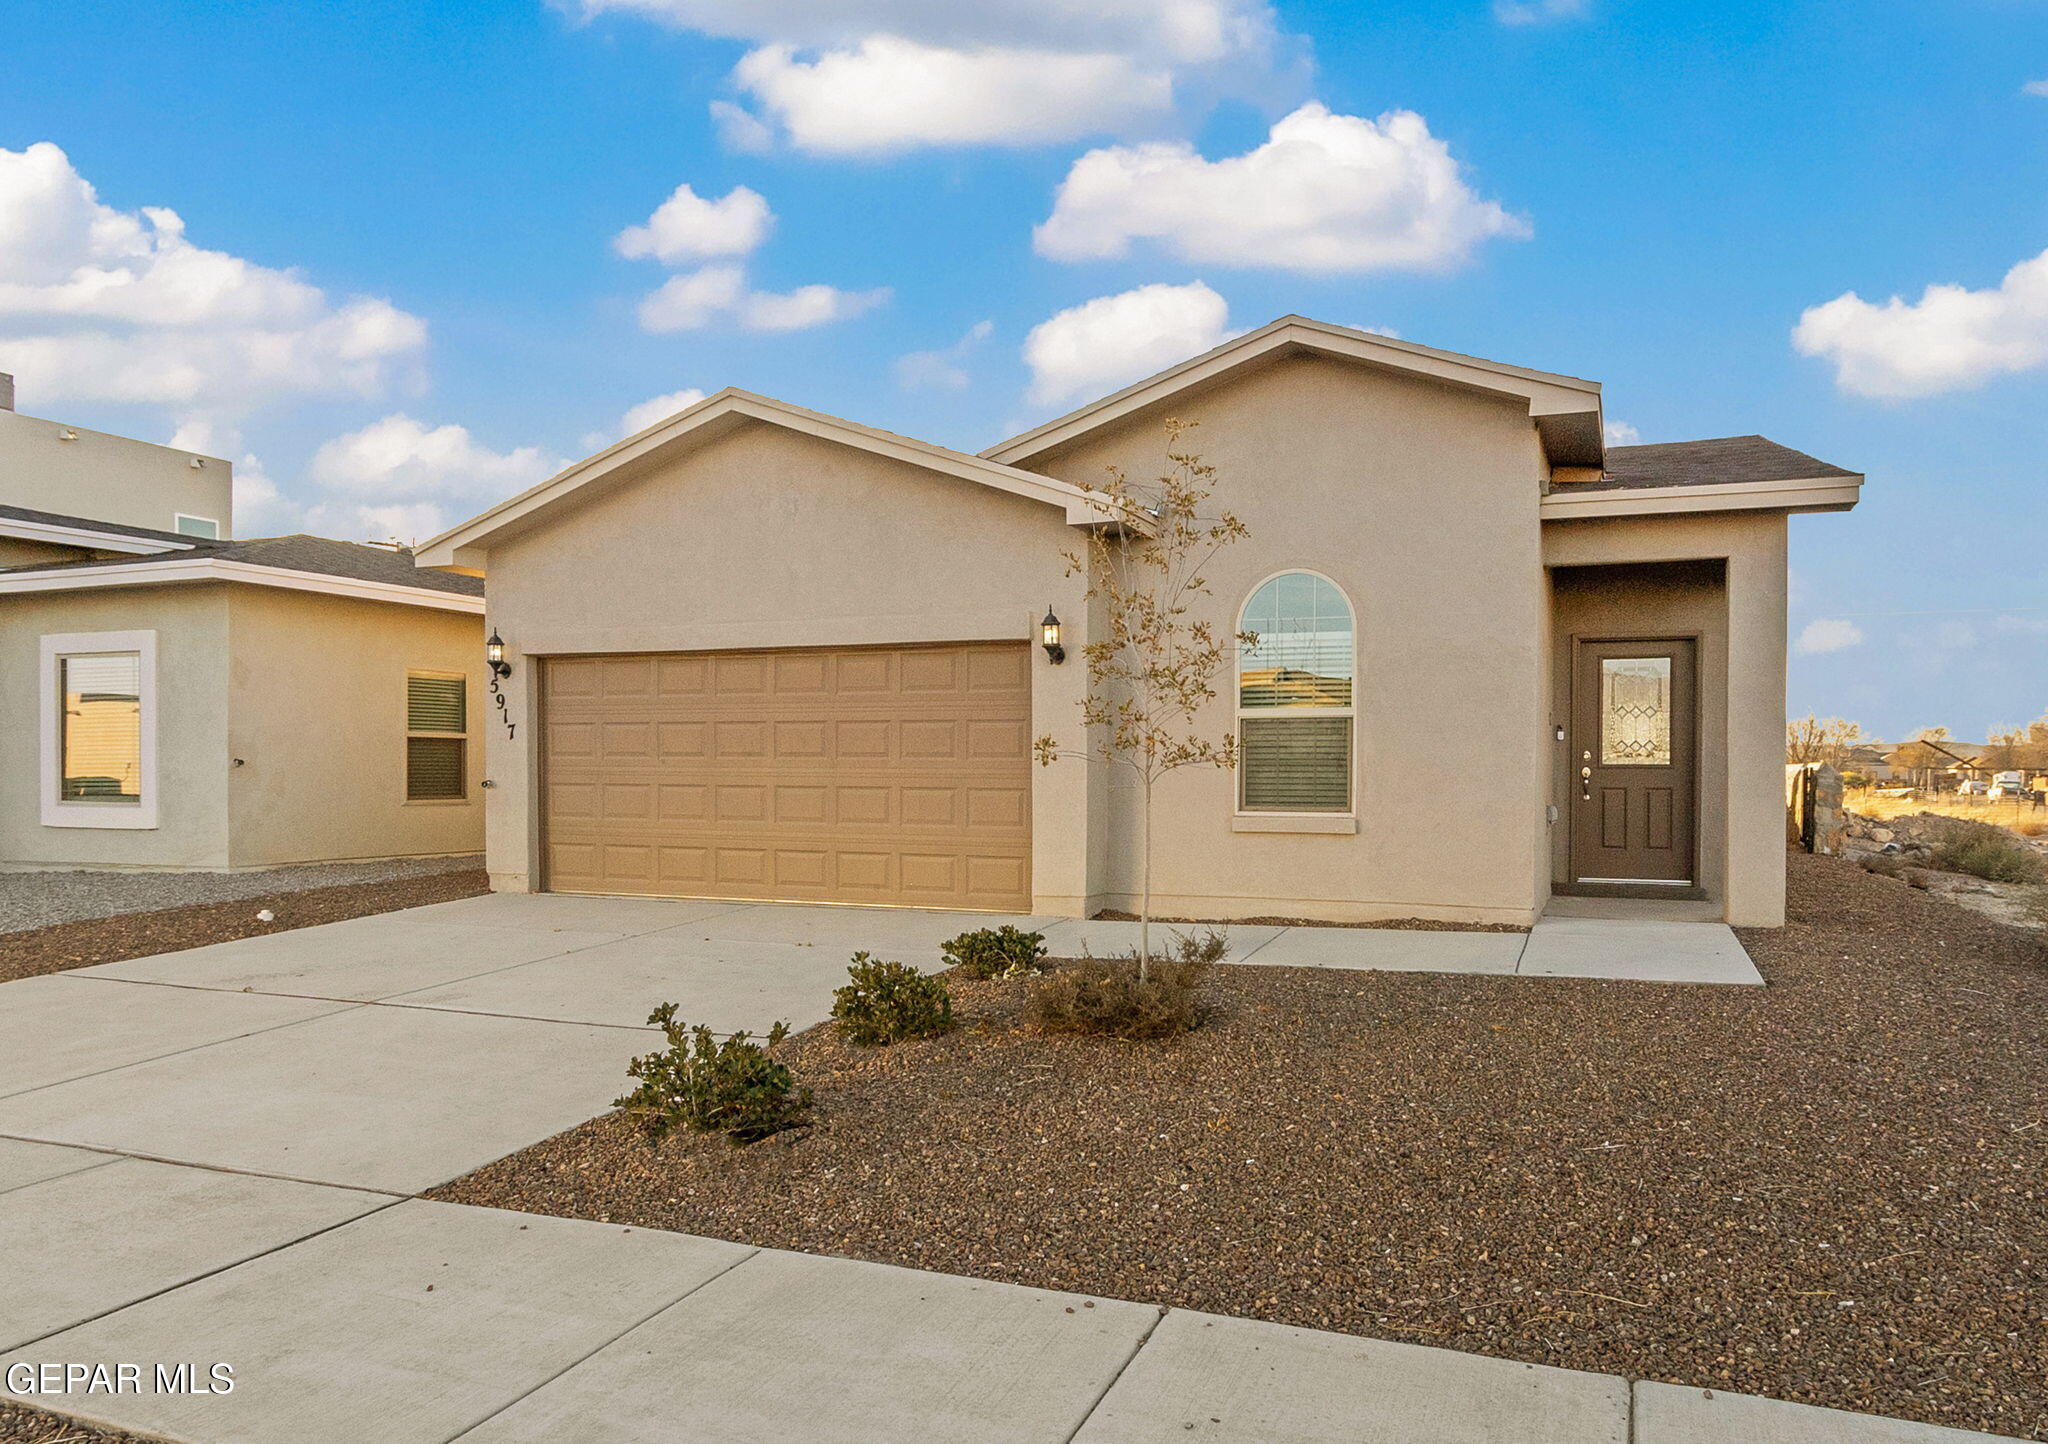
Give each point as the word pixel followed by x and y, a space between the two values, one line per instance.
pixel 177 698
pixel 759 652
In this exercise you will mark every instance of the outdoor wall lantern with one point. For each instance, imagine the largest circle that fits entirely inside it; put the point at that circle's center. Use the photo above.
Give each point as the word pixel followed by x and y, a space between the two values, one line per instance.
pixel 1049 637
pixel 494 653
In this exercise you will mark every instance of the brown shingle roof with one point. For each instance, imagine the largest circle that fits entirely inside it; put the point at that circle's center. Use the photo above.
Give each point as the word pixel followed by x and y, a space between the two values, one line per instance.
pixel 300 553
pixel 86 523
pixel 1718 461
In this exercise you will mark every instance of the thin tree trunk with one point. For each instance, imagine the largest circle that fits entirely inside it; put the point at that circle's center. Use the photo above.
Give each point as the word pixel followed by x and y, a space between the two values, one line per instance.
pixel 1145 886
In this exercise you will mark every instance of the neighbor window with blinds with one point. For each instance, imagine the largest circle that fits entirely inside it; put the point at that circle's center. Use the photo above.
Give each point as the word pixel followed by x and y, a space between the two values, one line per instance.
pixel 436 736
pixel 1294 698
pixel 98 744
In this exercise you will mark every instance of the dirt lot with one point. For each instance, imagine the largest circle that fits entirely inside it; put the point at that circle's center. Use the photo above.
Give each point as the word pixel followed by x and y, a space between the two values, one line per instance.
pixel 1829 1190
pixel 139 935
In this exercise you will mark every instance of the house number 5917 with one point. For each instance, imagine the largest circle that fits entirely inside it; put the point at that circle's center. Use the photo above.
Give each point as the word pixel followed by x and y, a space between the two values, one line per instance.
pixel 504 711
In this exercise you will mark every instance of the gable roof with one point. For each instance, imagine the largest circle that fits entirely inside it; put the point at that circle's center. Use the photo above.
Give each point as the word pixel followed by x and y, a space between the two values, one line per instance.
pixel 296 562
pixel 28 524
pixel 1717 461
pixel 1566 409
pixel 463 547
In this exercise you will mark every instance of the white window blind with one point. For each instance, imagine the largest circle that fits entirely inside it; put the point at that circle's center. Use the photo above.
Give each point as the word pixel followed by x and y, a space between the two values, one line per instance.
pixel 1294 697
pixel 436 743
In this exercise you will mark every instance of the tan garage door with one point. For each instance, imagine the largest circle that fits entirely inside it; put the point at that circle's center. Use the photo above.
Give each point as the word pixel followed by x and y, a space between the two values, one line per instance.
pixel 864 774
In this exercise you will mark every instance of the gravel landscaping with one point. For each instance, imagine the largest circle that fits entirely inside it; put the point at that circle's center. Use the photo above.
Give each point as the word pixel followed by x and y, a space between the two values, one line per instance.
pixel 44 898
pixel 144 934
pixel 1829 1190
pixel 20 1424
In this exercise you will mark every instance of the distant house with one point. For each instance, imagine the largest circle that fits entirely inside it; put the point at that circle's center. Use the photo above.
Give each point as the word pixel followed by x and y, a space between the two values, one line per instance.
pixel 1869 759
pixel 1940 765
pixel 177 698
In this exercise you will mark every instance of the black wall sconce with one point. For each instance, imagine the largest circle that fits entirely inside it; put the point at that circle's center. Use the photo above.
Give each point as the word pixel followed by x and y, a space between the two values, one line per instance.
pixel 494 653
pixel 1049 638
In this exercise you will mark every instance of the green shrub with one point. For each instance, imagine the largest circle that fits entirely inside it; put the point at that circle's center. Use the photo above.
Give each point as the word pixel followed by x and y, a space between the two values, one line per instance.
pixel 1985 851
pixel 1004 952
pixel 708 1086
pixel 1106 995
pixel 888 1002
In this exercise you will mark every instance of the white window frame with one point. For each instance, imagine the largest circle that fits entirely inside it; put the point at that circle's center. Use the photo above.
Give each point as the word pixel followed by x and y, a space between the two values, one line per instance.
pixel 211 521
pixel 466 736
pixel 55 811
pixel 1245 820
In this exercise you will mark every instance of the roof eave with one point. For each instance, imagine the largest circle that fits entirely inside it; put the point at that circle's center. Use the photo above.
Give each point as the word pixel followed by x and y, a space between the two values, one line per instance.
pixel 1809 494
pixel 1566 409
pixel 172 572
pixel 466 547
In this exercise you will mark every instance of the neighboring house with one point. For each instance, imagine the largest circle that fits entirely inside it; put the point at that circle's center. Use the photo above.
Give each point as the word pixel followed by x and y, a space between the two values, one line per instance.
pixel 759 652
pixel 1871 760
pixel 1925 762
pixel 184 701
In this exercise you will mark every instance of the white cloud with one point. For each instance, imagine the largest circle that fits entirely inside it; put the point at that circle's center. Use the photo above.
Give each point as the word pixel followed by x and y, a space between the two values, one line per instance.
pixel 1539 12
pixel 1949 339
pixel 687 227
pixel 890 94
pixel 838 78
pixel 398 477
pixel 700 298
pixel 657 408
pixel 2035 87
pixel 100 304
pixel 1103 344
pixel 943 369
pixel 1829 634
pixel 1620 433
pixel 1324 193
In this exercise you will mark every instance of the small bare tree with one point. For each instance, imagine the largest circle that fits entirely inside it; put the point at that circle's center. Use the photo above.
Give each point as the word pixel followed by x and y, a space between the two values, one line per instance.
pixel 1820 739
pixel 1154 666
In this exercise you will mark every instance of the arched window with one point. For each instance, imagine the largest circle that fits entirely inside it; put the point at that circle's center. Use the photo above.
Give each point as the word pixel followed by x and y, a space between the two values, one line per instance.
pixel 1294 702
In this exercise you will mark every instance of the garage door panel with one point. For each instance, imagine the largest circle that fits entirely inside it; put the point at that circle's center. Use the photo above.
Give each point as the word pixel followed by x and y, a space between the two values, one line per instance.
pixel 855 775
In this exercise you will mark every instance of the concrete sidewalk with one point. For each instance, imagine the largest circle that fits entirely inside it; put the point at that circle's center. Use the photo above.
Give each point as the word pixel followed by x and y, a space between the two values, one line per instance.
pixel 348 1318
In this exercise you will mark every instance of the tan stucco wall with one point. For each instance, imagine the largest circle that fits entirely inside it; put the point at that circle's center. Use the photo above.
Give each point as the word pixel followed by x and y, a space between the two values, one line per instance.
pixel 770 538
pixel 316 717
pixel 108 478
pixel 1420 502
pixel 191 623
pixel 1751 728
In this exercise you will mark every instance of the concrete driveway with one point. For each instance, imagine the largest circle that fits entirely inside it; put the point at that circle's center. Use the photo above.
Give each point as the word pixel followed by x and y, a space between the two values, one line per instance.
pixel 206 1158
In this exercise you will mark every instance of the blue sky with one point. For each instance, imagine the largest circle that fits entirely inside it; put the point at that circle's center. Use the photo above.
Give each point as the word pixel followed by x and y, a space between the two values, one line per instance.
pixel 400 291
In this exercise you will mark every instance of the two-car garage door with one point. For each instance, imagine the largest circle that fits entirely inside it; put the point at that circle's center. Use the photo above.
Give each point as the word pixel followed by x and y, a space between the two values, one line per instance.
pixel 893 775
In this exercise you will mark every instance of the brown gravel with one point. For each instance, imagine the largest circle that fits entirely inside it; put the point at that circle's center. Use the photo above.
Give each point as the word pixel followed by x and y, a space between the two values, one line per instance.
pixel 1830 1190
pixel 20 1424
pixel 140 935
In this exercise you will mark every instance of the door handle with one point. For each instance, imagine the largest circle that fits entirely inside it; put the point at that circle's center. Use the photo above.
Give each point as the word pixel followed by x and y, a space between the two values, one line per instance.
pixel 1585 784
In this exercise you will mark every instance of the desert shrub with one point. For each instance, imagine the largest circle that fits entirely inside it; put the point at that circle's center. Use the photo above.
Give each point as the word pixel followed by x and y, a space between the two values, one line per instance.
pixel 1206 946
pixel 1106 995
pixel 1982 850
pixel 1004 952
pixel 888 1002
pixel 710 1086
pixel 1854 781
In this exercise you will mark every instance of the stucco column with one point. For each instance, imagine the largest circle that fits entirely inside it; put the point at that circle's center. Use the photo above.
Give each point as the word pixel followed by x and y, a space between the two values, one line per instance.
pixel 1756 730
pixel 1062 826
pixel 511 774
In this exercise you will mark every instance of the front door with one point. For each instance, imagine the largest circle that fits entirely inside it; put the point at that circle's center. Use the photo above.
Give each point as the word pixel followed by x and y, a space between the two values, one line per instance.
pixel 1633 761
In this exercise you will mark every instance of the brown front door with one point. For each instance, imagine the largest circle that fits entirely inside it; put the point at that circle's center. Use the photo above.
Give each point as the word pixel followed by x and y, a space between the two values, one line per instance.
pixel 1633 760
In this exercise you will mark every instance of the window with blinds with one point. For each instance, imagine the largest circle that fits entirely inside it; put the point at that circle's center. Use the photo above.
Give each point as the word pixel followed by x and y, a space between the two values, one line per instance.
pixel 1294 697
pixel 100 697
pixel 436 737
